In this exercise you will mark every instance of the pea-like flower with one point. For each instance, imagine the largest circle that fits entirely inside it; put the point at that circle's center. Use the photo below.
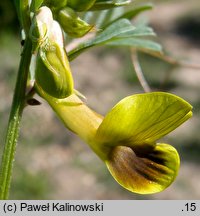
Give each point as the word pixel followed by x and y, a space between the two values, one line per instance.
pixel 126 138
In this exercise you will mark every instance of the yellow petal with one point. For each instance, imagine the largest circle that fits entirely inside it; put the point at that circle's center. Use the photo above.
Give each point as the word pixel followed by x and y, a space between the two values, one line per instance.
pixel 144 173
pixel 142 119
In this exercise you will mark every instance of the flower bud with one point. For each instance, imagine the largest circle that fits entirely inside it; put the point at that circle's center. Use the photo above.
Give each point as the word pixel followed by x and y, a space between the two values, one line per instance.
pixel 72 24
pixel 53 74
pixel 40 26
pixel 80 5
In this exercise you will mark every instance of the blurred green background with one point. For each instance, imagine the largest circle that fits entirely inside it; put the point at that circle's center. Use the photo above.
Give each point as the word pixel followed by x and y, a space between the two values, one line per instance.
pixel 53 163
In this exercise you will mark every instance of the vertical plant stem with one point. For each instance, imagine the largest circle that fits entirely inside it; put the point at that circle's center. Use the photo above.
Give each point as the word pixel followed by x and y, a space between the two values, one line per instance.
pixel 14 121
pixel 23 12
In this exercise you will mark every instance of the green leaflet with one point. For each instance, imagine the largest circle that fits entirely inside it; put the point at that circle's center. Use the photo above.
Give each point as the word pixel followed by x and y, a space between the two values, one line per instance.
pixel 139 120
pixel 140 44
pixel 130 14
pixel 110 32
pixel 144 173
pixel 123 33
pixel 105 5
pixel 138 31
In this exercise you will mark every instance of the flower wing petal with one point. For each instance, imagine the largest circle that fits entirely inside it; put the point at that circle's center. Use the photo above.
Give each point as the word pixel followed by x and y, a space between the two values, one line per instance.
pixel 144 174
pixel 143 118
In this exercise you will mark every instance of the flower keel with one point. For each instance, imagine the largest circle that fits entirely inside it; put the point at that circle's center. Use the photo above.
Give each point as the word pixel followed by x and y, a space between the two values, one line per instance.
pixel 144 173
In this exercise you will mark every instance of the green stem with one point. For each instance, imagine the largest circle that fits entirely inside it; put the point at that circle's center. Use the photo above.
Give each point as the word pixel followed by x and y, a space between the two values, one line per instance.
pixel 23 12
pixel 14 121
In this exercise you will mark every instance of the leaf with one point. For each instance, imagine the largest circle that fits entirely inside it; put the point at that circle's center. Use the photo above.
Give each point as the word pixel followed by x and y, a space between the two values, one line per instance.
pixel 117 28
pixel 121 33
pixel 104 5
pixel 140 30
pixel 144 173
pixel 132 13
pixel 142 119
pixel 120 27
pixel 131 38
pixel 141 44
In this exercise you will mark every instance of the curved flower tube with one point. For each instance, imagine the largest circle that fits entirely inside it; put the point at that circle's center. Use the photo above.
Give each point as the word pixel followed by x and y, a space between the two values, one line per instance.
pixel 126 138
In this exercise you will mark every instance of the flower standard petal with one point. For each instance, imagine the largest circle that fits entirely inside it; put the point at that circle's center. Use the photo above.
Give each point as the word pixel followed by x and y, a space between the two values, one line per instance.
pixel 141 119
pixel 144 173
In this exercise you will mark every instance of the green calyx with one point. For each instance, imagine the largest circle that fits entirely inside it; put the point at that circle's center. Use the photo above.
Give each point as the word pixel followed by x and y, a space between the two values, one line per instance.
pixel 72 24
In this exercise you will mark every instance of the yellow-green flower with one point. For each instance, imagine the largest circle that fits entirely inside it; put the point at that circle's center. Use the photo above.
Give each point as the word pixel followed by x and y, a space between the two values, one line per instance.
pixel 126 138
pixel 130 131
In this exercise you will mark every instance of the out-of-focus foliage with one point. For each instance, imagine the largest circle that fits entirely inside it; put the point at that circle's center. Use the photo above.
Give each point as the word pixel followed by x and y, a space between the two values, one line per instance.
pixel 8 16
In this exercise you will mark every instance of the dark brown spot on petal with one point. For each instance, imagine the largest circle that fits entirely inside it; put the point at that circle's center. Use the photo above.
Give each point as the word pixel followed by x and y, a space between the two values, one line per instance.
pixel 147 173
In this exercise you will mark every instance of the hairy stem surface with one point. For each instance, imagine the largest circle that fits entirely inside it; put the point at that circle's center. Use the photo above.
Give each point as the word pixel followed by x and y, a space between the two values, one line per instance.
pixel 14 121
